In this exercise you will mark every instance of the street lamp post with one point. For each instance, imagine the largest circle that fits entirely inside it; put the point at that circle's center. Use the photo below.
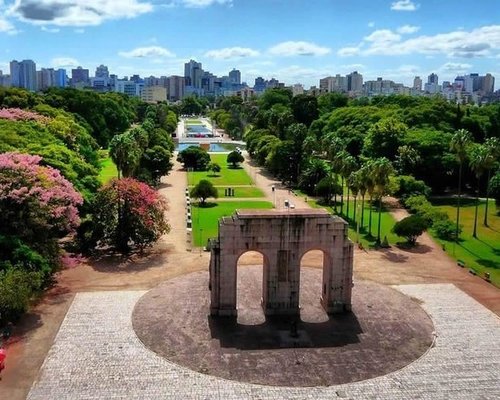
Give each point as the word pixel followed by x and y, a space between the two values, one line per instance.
pixel 274 195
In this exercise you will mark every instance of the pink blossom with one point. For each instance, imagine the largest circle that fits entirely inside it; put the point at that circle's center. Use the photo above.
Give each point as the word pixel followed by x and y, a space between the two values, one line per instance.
pixel 17 114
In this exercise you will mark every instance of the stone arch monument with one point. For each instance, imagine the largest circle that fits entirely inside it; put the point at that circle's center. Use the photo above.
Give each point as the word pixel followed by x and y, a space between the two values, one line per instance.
pixel 282 237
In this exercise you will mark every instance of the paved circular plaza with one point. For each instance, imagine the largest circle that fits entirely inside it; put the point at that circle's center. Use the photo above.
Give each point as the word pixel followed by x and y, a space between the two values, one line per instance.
pixel 385 331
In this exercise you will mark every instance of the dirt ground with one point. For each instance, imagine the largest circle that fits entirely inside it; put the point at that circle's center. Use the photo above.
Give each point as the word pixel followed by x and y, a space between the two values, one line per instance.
pixel 173 256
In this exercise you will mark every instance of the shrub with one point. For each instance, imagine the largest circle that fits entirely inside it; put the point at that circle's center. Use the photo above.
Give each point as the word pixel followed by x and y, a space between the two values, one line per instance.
pixel 446 229
pixel 409 186
pixel 235 158
pixel 16 290
pixel 411 228
pixel 417 203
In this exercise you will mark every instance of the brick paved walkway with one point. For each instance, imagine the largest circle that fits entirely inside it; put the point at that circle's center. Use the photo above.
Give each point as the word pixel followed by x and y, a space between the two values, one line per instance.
pixel 96 355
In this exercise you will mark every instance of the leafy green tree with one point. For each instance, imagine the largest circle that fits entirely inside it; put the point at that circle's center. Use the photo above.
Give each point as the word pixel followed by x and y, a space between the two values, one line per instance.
pixel 407 158
pixel 305 109
pixel 191 106
pixel 203 190
pixel 314 171
pixel 408 186
pixel 382 169
pixel 459 144
pixel 128 214
pixel 275 96
pixel 330 101
pixel 214 167
pixel 156 161
pixel 349 165
pixel 384 138
pixel 327 187
pixel 194 157
pixel 125 153
pixel 234 158
pixel 410 228
pixel 493 155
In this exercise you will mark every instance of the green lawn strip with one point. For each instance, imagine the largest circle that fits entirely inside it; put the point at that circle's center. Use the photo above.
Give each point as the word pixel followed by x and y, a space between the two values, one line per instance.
pixel 226 177
pixel 241 192
pixel 193 122
pixel 108 170
pixel 387 222
pixel 482 254
pixel 205 219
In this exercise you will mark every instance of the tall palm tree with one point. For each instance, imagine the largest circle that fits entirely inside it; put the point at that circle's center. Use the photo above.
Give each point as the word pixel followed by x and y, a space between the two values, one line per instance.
pixel 460 141
pixel 354 183
pixel 334 146
pixel 349 165
pixel 381 172
pixel 479 159
pixel 370 188
pixel 363 182
pixel 493 148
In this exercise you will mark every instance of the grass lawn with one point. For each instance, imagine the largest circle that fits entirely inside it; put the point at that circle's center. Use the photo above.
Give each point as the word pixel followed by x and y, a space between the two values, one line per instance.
pixel 193 122
pixel 226 177
pixel 108 169
pixel 482 253
pixel 205 219
pixel 386 223
pixel 241 192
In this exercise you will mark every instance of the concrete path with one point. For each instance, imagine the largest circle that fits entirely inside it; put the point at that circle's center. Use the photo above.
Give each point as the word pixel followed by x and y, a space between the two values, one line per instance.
pixel 96 355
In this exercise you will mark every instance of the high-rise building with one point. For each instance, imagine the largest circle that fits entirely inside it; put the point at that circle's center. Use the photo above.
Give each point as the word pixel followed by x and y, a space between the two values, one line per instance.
pixel 27 75
pixel 46 78
pixel 193 73
pixel 61 80
pixel 417 83
pixel 260 85
pixel 488 83
pixel 355 82
pixel 14 73
pixel 79 76
pixel 102 72
pixel 175 87
pixel 297 89
pixel 153 94
pixel 433 79
pixel 235 76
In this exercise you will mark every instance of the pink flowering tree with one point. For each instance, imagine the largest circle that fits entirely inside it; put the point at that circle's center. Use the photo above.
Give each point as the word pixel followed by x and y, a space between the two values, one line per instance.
pixel 129 213
pixel 18 114
pixel 37 204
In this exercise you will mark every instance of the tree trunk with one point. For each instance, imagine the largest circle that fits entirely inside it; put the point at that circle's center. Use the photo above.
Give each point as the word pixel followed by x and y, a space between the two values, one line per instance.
pixel 362 210
pixel 474 234
pixel 458 200
pixel 485 222
pixel 342 197
pixel 354 211
pixel 370 216
pixel 347 205
pixel 379 218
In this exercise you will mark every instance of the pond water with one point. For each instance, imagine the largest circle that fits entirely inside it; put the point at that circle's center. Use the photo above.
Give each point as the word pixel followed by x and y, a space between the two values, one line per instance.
pixel 214 147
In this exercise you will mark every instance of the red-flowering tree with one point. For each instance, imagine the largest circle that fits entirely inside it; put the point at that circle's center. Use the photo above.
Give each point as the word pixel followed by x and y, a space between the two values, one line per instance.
pixel 37 204
pixel 129 213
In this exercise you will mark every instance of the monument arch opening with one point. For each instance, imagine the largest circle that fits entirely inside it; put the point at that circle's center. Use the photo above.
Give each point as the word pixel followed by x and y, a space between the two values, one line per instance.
pixel 283 237
pixel 250 270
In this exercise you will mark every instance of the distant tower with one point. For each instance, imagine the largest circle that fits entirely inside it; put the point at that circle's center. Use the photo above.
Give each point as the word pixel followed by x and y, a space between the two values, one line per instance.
pixel 417 83
pixel 193 72
pixel 433 79
pixel 102 72
pixel 235 76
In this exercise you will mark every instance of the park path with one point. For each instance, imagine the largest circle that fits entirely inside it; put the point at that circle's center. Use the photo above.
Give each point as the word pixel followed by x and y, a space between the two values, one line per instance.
pixel 35 333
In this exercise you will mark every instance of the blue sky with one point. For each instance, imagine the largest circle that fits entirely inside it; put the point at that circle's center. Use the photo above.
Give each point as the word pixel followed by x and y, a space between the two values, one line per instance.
pixel 292 40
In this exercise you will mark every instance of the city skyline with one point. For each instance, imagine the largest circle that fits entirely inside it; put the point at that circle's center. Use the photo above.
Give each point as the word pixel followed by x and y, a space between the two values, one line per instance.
pixel 397 40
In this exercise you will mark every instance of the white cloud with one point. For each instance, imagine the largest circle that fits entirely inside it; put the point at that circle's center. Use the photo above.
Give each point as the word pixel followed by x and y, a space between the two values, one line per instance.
pixel 50 30
pixel 60 62
pixel 480 42
pixel 383 36
pixel 204 3
pixel 76 12
pixel 147 52
pixel 408 29
pixel 404 5
pixel 7 27
pixel 300 48
pixel 455 67
pixel 348 51
pixel 231 52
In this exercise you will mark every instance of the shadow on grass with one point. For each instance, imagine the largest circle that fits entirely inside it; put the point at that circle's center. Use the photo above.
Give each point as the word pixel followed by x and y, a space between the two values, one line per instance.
pixel 452 201
pixel 234 167
pixel 488 263
pixel 205 205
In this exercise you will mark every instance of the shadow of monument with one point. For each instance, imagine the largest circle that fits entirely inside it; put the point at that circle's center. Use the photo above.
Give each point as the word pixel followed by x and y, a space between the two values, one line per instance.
pixel 281 332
